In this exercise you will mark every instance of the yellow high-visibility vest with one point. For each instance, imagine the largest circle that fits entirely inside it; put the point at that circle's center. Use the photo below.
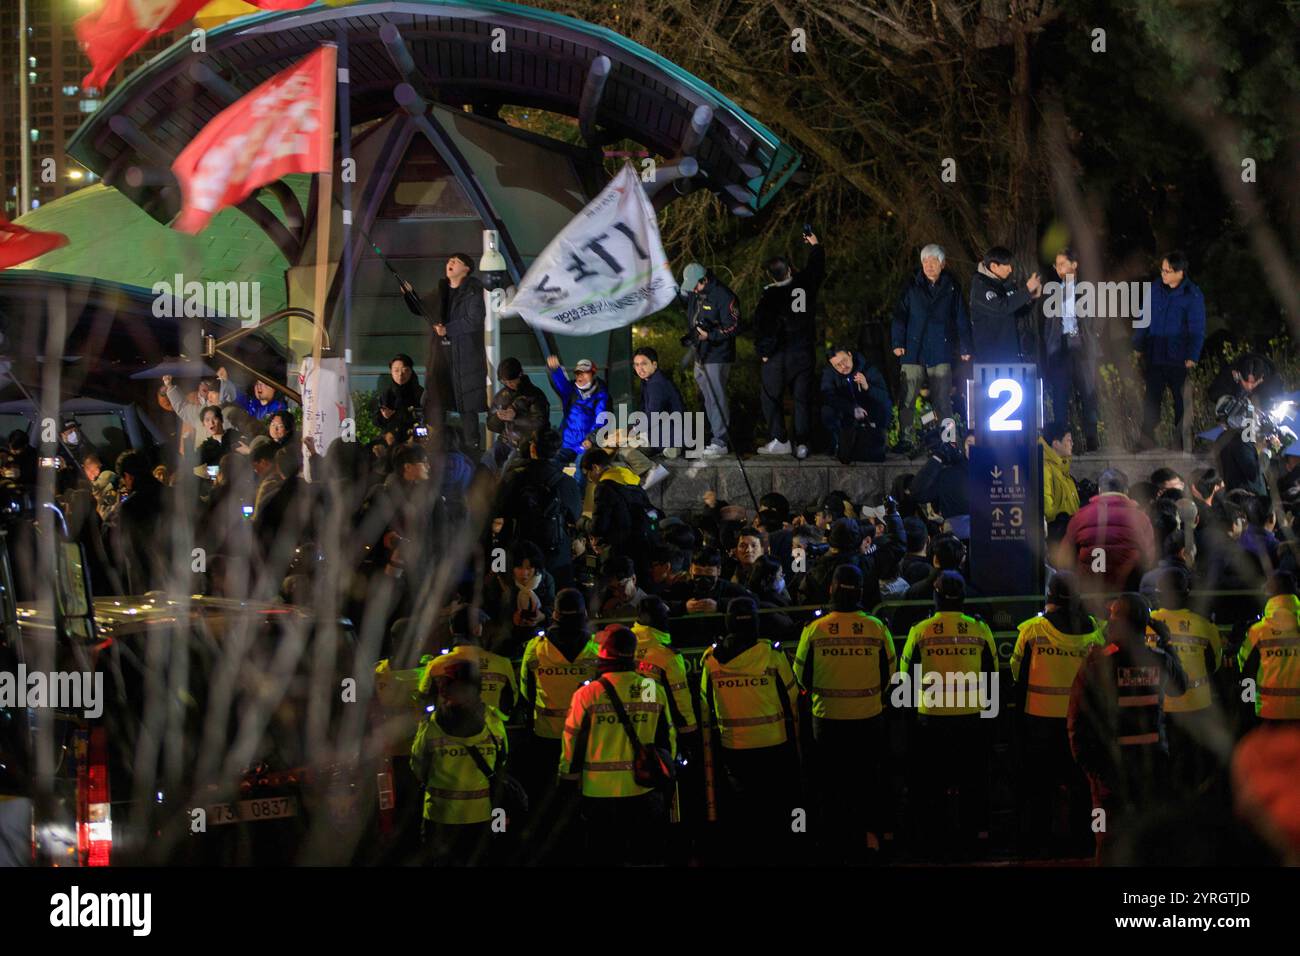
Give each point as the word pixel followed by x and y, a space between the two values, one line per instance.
pixel 743 697
pixel 500 690
pixel 952 645
pixel 455 787
pixel 845 660
pixel 1054 661
pixel 655 658
pixel 549 679
pixel 1190 636
pixel 596 748
pixel 1277 639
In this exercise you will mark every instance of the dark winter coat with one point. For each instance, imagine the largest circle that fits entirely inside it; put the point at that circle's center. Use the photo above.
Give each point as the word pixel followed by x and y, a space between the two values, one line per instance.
pixel 1177 330
pixel 997 308
pixel 462 363
pixel 532 411
pixel 841 393
pixel 929 320
pixel 777 326
pixel 717 311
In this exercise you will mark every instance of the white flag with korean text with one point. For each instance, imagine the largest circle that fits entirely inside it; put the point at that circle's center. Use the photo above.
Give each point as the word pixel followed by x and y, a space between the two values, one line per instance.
pixel 326 406
pixel 604 270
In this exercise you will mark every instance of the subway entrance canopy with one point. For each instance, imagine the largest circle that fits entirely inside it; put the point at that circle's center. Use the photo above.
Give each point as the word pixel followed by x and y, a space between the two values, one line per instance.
pixel 427 102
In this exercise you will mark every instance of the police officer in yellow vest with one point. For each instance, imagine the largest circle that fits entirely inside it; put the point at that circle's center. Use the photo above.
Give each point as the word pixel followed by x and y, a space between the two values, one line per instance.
pixel 452 749
pixel 555 665
pixel 1199 738
pixel 624 820
pixel 656 658
pixel 846 660
pixel 748 692
pixel 500 690
pixel 1270 654
pixel 955 682
pixel 1117 719
pixel 1050 649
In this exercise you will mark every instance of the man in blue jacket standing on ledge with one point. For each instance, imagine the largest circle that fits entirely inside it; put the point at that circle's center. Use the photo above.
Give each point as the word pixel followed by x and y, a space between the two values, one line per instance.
pixel 585 399
pixel 929 320
pixel 1170 343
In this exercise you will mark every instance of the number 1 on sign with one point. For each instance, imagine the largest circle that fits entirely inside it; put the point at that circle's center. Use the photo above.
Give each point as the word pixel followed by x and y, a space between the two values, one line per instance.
pixel 1015 474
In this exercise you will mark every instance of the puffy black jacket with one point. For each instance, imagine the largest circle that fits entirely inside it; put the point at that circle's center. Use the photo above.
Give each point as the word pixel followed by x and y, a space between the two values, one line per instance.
pixel 841 393
pixel 944 485
pixel 996 310
pixel 778 327
pixel 550 479
pixel 531 407
pixel 716 310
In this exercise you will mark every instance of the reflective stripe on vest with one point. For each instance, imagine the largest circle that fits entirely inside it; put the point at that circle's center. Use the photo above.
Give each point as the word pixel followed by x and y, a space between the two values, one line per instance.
pixel 944 639
pixel 749 721
pixel 460 794
pixel 857 692
pixel 608 765
pixel 1139 739
pixel 1040 689
pixel 1146 700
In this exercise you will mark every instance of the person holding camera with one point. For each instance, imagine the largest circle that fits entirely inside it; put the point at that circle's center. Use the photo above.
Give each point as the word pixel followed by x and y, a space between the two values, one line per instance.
pixel 1245 428
pixel 785 321
pixel 712 320
pixel 855 406
pixel 942 481
pixel 400 398
pixel 519 410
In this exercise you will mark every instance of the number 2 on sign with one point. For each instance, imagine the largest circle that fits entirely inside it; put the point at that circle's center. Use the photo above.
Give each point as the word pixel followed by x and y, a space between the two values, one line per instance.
pixel 1001 420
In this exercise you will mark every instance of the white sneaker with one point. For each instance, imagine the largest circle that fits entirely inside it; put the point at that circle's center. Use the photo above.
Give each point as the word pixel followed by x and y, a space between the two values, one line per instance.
pixel 713 449
pixel 775 447
pixel 801 452
pixel 655 475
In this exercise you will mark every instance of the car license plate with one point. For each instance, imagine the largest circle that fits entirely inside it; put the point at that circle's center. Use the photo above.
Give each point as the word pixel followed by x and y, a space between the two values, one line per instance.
pixel 252 811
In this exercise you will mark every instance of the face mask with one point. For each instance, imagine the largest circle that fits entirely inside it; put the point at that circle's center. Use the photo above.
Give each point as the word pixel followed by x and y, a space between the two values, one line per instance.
pixel 73 438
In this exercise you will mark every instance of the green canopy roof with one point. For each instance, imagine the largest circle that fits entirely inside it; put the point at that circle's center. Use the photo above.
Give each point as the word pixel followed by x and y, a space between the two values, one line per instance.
pixel 114 239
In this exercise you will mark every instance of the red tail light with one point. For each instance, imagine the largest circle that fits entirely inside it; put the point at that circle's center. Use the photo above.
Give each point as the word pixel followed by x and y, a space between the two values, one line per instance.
pixel 94 809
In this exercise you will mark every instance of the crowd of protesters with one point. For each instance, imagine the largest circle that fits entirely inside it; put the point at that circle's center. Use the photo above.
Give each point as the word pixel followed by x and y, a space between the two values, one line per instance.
pixel 544 555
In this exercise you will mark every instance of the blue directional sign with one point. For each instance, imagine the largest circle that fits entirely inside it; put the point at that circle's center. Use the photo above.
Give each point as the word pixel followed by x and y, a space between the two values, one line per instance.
pixel 1006 486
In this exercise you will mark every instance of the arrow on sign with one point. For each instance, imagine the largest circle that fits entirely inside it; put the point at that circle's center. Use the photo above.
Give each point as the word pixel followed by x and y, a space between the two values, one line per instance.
pixel 997 514
pixel 996 472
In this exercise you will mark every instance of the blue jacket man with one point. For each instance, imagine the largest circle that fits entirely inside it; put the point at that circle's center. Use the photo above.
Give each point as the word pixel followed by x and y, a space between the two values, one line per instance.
pixel 584 400
pixel 929 319
pixel 1171 343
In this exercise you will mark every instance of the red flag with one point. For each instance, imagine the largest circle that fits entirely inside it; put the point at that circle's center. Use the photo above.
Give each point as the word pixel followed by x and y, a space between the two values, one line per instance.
pixel 19 244
pixel 279 128
pixel 120 27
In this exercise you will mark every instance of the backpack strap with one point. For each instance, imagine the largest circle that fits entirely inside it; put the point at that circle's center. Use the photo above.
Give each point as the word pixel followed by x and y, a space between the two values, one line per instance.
pixel 622 713
pixel 481 762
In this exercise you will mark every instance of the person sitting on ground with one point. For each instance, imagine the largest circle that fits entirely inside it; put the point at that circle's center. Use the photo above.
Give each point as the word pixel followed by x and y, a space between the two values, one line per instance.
pixel 855 406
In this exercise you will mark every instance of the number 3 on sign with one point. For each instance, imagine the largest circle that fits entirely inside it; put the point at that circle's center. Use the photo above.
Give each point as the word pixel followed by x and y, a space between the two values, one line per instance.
pixel 1001 420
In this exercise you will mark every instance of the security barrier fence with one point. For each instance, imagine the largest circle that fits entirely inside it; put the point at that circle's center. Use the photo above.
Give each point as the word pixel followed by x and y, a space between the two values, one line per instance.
pixel 1003 615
